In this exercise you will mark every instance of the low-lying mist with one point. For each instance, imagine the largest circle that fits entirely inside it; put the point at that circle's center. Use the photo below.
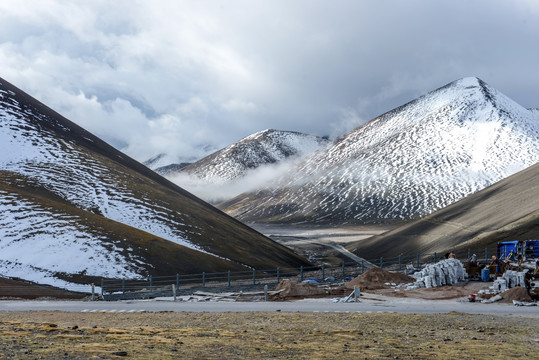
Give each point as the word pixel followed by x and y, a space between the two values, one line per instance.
pixel 217 189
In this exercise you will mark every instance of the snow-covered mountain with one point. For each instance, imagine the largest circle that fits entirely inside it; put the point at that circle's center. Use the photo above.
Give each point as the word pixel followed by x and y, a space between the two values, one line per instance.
pixel 252 160
pixel 73 208
pixel 406 163
pixel 164 164
pixel 262 148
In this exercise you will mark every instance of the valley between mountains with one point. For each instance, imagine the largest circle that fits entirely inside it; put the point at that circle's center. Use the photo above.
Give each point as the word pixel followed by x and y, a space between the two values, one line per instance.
pixel 456 167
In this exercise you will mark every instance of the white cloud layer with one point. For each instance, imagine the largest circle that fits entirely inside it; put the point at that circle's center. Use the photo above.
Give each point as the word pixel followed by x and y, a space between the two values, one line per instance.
pixel 187 77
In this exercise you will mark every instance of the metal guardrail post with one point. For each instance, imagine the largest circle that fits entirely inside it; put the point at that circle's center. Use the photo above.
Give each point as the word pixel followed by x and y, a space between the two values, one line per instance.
pixel 278 275
pixel 228 278
pixel 343 269
pixel 151 284
pixel 362 266
pixel 469 253
pixel 102 286
pixel 203 280
pixel 123 286
pixel 400 263
pixel 177 281
pixel 254 276
pixel 381 262
pixel 323 272
pixel 435 258
pixel 301 273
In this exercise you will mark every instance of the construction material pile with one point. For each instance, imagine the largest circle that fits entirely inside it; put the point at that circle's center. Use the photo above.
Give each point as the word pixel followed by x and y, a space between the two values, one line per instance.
pixel 509 279
pixel 377 278
pixel 446 272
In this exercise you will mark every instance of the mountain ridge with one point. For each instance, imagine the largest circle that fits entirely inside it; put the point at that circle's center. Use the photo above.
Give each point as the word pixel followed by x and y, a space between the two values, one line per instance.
pixel 264 147
pixel 245 164
pixel 405 163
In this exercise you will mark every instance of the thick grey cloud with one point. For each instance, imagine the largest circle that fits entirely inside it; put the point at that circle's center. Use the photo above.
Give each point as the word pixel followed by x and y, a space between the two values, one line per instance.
pixel 185 77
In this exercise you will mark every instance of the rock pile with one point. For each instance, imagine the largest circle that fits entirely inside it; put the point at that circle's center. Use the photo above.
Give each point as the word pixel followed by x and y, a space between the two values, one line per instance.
pixel 446 272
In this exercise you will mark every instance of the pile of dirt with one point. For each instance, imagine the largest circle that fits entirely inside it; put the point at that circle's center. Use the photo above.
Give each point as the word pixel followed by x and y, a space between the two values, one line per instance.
pixel 518 293
pixel 376 278
pixel 295 289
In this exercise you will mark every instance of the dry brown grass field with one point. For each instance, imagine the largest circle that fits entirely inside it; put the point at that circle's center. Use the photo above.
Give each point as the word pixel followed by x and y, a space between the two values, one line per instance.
pixel 62 335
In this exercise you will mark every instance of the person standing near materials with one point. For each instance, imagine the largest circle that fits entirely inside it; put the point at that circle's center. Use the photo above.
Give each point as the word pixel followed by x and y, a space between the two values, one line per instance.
pixel 496 261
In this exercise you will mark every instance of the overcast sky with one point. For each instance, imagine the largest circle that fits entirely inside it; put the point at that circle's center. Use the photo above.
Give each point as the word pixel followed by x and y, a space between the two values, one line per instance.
pixel 187 77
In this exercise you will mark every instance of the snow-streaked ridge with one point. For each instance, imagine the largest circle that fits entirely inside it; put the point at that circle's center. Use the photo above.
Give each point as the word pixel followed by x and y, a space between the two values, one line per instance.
pixel 78 178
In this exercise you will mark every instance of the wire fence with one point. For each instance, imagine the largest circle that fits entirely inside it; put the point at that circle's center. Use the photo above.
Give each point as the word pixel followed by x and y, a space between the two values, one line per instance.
pixel 326 273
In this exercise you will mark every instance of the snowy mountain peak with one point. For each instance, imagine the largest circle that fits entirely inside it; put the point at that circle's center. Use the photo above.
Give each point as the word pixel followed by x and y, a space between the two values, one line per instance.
pixel 406 163
pixel 259 134
pixel 261 148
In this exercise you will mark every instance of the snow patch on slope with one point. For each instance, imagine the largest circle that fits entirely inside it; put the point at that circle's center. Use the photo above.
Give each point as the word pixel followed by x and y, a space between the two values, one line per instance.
pixel 37 242
pixel 83 180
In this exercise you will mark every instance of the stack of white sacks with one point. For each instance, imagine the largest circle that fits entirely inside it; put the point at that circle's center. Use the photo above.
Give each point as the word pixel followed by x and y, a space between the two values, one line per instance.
pixel 509 279
pixel 446 272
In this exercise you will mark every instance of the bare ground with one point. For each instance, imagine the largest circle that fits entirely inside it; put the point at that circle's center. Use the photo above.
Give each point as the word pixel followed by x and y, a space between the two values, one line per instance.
pixel 59 335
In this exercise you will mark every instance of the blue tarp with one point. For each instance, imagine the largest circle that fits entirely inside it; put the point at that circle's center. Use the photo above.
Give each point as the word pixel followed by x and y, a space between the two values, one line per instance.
pixel 504 248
